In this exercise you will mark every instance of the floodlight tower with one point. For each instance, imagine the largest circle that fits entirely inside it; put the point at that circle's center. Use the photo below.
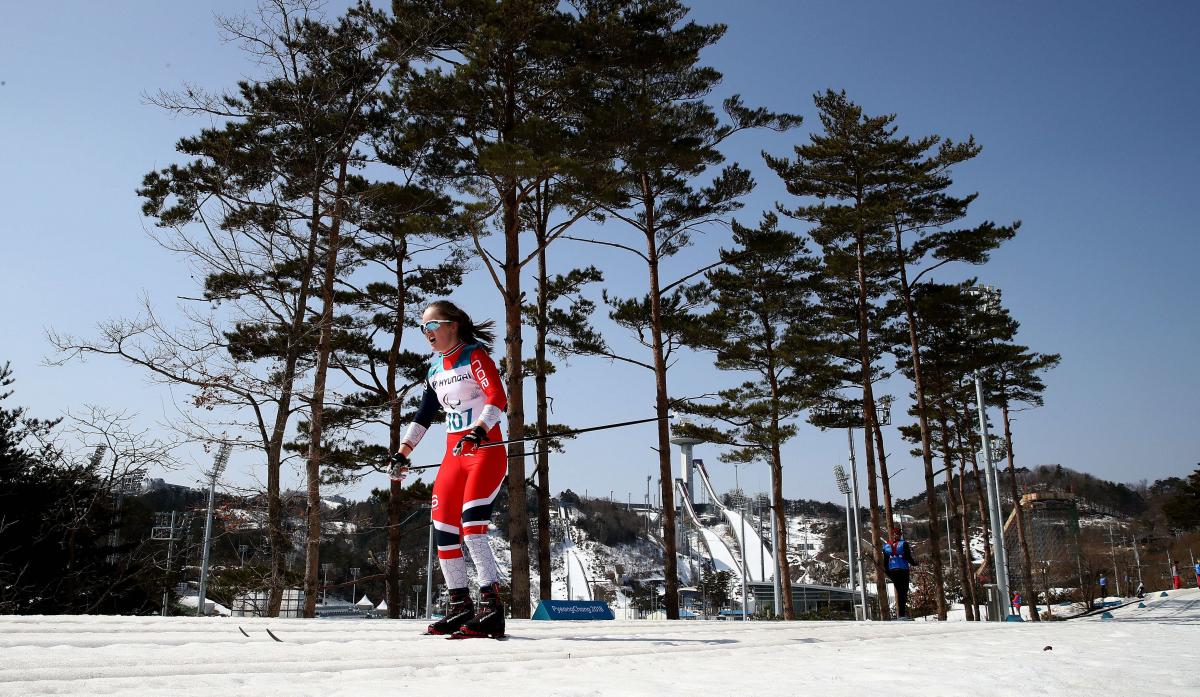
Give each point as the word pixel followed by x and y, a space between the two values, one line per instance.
pixel 218 467
pixel 843 484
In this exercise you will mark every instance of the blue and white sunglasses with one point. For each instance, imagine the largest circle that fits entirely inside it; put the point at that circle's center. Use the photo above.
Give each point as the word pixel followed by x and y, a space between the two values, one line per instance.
pixel 433 324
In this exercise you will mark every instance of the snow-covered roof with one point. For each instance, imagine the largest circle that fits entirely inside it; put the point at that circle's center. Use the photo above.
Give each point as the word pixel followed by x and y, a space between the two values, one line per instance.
pixel 365 602
pixel 190 601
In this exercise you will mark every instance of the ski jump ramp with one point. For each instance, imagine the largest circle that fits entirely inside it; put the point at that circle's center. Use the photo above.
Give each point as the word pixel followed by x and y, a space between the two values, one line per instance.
pixel 760 563
pixel 579 588
pixel 720 554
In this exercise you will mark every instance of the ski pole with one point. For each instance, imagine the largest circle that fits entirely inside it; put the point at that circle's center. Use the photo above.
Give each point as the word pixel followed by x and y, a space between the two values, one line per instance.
pixel 548 436
pixel 510 457
pixel 571 432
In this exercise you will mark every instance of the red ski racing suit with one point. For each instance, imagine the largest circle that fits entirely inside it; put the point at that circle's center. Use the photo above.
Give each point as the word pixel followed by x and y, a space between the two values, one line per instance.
pixel 465 384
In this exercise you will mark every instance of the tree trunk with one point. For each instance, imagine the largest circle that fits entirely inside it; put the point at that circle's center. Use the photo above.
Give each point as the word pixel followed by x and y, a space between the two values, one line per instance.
pixel 395 423
pixel 868 404
pixel 935 532
pixel 518 516
pixel 316 430
pixel 543 458
pixel 888 516
pixel 1030 595
pixel 661 407
pixel 780 542
pixel 980 495
pixel 984 522
pixel 964 524
pixel 287 382
pixel 964 564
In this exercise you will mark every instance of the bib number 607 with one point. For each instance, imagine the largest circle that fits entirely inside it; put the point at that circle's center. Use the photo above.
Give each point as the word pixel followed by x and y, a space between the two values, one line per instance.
pixel 458 420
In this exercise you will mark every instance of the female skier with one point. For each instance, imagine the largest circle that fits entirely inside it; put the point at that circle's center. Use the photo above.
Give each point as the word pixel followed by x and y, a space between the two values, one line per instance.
pixel 462 381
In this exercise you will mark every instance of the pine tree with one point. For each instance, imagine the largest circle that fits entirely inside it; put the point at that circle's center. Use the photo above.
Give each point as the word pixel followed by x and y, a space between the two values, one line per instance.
pixel 409 234
pixel 645 60
pixel 346 77
pixel 267 193
pixel 947 346
pixel 546 317
pixel 505 120
pixel 920 218
pixel 763 324
pixel 842 168
pixel 1013 378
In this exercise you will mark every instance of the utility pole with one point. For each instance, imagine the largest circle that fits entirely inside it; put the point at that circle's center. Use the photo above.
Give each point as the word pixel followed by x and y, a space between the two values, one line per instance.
pixel 1113 549
pixel 1137 560
pixel 949 550
pixel 354 570
pixel 218 467
pixel 166 528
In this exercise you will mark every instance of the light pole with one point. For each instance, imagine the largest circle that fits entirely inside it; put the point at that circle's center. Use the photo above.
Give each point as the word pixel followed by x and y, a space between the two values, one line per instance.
pixel 762 558
pixel 325 582
pixel 354 570
pixel 742 515
pixel 999 556
pixel 843 484
pixel 242 555
pixel 989 299
pixel 218 467
pixel 849 417
pixel 777 586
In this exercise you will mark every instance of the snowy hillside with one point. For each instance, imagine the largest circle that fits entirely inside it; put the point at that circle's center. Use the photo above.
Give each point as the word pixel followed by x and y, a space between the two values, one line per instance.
pixel 595 570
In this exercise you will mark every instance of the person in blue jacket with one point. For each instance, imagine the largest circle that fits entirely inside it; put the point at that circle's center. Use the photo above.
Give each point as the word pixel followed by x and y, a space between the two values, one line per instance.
pixel 898 555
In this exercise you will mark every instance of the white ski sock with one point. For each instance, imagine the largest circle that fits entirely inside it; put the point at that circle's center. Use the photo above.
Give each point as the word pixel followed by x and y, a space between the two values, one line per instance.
pixel 455 572
pixel 484 559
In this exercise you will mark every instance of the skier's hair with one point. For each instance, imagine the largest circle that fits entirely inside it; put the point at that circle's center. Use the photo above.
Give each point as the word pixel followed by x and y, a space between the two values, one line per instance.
pixel 469 332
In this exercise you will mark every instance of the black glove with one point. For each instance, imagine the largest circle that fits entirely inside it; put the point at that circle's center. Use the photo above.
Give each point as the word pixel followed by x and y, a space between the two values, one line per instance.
pixel 398 465
pixel 467 445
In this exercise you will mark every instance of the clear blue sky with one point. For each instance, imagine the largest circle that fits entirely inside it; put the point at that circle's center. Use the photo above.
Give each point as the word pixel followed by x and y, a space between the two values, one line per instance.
pixel 1085 112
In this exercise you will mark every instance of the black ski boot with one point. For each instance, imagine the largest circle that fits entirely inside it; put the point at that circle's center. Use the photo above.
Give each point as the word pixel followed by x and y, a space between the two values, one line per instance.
pixel 458 612
pixel 489 621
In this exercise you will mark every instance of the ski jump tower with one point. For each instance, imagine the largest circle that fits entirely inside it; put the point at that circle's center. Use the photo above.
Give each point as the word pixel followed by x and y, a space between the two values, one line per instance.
pixel 687 466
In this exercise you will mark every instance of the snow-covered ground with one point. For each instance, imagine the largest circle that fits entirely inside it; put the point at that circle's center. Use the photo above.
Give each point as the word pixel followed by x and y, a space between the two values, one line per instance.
pixel 1142 651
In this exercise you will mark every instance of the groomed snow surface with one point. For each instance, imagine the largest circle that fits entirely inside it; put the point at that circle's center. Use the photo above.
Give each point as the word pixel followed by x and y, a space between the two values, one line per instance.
pixel 1141 651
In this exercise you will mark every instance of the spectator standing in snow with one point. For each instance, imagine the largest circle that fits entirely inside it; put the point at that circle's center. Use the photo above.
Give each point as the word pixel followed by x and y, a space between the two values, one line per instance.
pixel 899 560
pixel 1016 603
pixel 1198 574
pixel 1176 581
pixel 1103 586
